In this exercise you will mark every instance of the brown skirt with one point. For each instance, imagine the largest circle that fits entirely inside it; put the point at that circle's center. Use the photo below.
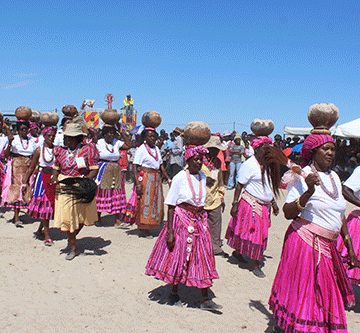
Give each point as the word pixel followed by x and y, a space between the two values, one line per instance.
pixel 150 210
pixel 69 215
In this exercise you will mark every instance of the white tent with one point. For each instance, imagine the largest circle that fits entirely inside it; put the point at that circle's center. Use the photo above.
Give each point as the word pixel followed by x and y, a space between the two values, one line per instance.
pixel 348 130
pixel 299 131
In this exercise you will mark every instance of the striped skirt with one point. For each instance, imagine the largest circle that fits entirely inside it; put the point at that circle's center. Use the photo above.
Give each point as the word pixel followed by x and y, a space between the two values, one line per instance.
pixel 111 196
pixel 15 170
pixel 128 214
pixel 42 203
pixel 310 292
pixel 353 222
pixel 248 231
pixel 191 261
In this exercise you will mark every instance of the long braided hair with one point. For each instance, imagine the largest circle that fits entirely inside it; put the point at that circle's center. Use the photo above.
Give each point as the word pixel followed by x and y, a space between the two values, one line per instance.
pixel 81 190
pixel 270 161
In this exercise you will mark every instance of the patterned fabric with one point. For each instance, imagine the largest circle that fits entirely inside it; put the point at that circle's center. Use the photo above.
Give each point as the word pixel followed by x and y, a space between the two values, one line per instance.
pixel 128 214
pixel 260 140
pixel 191 151
pixel 211 163
pixel 67 165
pixel 194 267
pixel 248 231
pixel 311 142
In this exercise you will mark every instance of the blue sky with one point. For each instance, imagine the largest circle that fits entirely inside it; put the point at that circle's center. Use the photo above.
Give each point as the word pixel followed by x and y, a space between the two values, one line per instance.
pixel 216 61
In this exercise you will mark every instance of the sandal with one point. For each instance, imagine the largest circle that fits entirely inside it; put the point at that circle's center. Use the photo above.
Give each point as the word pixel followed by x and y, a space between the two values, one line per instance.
pixel 210 305
pixel 122 225
pixel 71 255
pixel 259 273
pixel 48 242
pixel 19 224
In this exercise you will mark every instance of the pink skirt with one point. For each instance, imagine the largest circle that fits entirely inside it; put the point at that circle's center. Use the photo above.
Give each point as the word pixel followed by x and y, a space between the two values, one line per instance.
pixel 293 298
pixel 248 232
pixel 128 214
pixel 353 222
pixel 40 208
pixel 194 267
pixel 112 201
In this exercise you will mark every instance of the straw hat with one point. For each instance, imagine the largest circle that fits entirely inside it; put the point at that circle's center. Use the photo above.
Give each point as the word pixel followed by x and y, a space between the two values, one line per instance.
pixel 214 142
pixel 178 130
pixel 73 129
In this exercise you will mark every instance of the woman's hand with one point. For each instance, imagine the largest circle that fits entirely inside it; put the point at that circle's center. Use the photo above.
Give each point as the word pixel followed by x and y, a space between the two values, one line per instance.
pixel 234 209
pixel 276 209
pixel 311 180
pixel 170 240
pixel 139 190
pixel 54 180
pixel 353 260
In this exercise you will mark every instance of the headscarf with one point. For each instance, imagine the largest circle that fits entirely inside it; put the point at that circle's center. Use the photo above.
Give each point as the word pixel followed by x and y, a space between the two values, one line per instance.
pixel 260 140
pixel 191 151
pixel 49 129
pixel 33 125
pixel 311 142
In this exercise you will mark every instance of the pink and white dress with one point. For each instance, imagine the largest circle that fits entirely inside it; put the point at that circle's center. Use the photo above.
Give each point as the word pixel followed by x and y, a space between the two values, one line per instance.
pixel 191 261
pixel 111 196
pixel 42 203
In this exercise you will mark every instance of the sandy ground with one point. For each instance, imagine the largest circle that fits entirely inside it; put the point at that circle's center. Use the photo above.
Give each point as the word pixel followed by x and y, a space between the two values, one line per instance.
pixel 105 288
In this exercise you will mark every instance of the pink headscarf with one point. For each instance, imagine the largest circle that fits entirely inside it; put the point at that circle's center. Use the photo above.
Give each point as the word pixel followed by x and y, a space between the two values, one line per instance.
pixel 33 125
pixel 191 151
pixel 260 140
pixel 311 142
pixel 49 129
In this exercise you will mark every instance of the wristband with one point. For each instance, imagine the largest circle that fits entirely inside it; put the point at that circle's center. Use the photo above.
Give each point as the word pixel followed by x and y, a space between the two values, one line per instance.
pixel 298 204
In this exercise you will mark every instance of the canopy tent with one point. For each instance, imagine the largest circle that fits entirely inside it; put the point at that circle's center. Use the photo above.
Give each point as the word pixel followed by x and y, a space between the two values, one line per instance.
pixel 348 130
pixel 299 131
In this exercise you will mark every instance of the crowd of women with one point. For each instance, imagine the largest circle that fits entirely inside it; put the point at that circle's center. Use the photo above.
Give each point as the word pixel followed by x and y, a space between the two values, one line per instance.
pixel 54 175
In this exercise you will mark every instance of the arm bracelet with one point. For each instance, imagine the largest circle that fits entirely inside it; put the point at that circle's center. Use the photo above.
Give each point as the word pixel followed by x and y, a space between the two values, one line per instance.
pixel 298 204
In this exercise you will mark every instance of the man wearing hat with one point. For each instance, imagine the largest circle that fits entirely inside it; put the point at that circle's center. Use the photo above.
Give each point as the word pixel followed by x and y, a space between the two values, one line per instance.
pixel 177 154
pixel 214 202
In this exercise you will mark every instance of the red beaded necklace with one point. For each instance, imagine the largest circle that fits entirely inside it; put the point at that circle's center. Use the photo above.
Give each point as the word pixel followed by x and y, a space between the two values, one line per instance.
pixel 50 153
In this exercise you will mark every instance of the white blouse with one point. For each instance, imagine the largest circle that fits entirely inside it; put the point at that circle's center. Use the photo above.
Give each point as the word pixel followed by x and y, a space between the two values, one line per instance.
pixel 180 190
pixel 353 182
pixel 49 155
pixel 109 152
pixel 321 209
pixel 23 147
pixel 144 159
pixel 250 176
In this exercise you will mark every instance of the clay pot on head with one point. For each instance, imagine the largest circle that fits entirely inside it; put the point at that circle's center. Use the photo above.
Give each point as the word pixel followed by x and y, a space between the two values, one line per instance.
pixel 49 118
pixel 151 119
pixel 197 133
pixel 70 111
pixel 323 115
pixel 23 113
pixel 110 116
pixel 262 127
pixel 35 116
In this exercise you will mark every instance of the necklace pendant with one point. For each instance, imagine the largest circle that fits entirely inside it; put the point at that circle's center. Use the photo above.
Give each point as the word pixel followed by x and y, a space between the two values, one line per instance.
pixel 71 155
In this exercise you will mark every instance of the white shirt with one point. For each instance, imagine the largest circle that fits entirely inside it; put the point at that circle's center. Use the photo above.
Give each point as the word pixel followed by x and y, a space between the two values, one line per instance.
pixel 26 150
pixel 39 139
pixel 180 190
pixel 353 182
pixel 109 152
pixel 4 141
pixel 320 209
pixel 250 176
pixel 143 158
pixel 49 156
pixel 59 139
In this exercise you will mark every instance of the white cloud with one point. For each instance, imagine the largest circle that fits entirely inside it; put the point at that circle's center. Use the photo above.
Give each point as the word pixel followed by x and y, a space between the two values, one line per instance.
pixel 16 85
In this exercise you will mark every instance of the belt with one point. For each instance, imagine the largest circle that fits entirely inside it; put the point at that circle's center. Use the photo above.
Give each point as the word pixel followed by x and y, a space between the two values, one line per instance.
pixel 191 208
pixel 150 170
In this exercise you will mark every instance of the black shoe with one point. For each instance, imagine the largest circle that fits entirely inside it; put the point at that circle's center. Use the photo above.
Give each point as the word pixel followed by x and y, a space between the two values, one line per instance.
pixel 174 300
pixel 222 254
pixel 238 257
pixel 210 305
pixel 258 272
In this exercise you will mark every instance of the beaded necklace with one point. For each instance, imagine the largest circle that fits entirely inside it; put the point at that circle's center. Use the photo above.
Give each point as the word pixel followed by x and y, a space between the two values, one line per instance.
pixel 27 141
pixel 50 153
pixel 156 157
pixel 196 201
pixel 334 194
